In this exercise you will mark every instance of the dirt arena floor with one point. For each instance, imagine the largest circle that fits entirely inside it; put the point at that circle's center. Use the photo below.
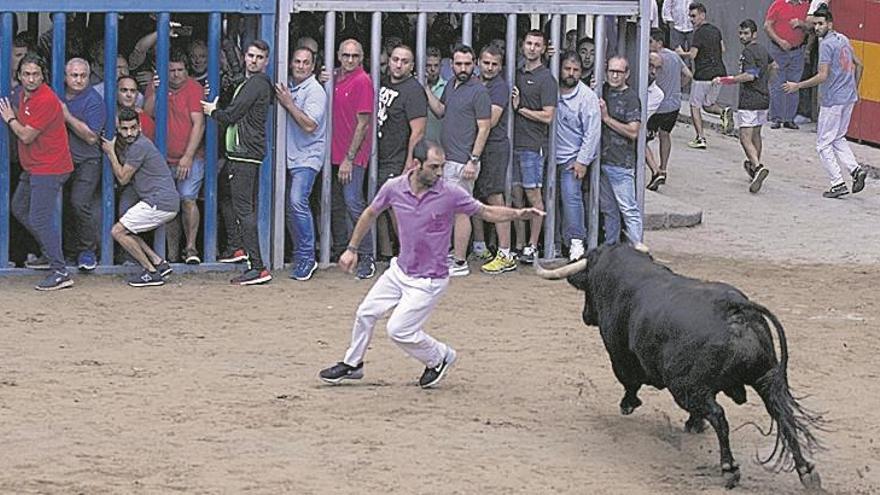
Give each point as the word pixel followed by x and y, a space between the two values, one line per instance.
pixel 200 387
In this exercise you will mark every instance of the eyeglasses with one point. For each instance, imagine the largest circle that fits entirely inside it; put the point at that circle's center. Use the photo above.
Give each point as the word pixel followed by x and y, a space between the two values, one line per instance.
pixel 615 72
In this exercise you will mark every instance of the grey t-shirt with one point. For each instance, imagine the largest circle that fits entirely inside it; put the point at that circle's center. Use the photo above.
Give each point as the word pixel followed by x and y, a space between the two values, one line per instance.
pixel 840 87
pixel 152 178
pixel 537 89
pixel 465 104
pixel 669 80
pixel 499 94
pixel 624 106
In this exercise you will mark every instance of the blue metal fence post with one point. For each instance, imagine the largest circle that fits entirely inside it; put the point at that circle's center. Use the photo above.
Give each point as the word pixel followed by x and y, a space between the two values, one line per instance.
pixel 264 209
pixel 163 43
pixel 5 85
pixel 111 34
pixel 59 54
pixel 210 189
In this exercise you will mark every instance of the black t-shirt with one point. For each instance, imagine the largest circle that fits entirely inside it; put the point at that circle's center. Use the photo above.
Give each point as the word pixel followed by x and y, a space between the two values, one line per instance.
pixel 537 89
pixel 398 104
pixel 755 95
pixel 708 64
pixel 499 94
pixel 624 106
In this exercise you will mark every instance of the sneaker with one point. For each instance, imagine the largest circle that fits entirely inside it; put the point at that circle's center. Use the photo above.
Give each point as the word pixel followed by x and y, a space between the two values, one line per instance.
pixel 459 268
pixel 760 174
pixel 836 191
pixel 191 257
pixel 87 261
pixel 576 251
pixel 726 120
pixel 749 168
pixel 164 268
pixel 775 124
pixel 529 253
pixel 341 371
pixel 484 255
pixel 252 277
pixel 499 264
pixel 698 143
pixel 657 180
pixel 366 268
pixel 147 279
pixel 233 256
pixel 56 280
pixel 432 376
pixel 858 176
pixel 37 263
pixel 304 269
pixel 641 247
pixel 791 125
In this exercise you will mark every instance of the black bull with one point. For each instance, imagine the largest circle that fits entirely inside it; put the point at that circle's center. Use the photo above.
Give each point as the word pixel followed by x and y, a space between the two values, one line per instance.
pixel 695 338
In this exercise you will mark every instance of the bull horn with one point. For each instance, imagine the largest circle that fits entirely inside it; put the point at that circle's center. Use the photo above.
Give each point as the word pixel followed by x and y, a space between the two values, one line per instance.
pixel 561 272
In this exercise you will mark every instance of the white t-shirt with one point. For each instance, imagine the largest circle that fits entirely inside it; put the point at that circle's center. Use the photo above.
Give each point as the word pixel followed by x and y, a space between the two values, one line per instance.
pixel 655 98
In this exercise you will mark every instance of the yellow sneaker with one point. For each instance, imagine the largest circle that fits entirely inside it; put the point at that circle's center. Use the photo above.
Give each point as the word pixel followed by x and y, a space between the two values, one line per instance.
pixel 499 265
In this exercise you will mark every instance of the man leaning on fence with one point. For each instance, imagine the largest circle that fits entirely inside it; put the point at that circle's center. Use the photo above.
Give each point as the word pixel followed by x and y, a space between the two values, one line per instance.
pixel 245 150
pixel 305 102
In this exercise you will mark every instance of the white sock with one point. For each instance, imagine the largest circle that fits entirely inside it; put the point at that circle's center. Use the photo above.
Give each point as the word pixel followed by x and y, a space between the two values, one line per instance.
pixel 504 252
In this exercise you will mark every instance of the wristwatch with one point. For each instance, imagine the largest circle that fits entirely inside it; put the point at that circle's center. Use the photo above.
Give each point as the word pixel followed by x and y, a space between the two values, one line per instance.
pixel 475 158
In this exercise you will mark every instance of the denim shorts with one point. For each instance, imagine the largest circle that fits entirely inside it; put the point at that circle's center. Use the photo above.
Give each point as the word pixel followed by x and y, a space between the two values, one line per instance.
pixel 531 164
pixel 189 188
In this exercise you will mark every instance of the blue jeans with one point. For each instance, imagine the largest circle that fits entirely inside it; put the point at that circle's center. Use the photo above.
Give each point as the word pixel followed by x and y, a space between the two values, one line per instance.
pixel 617 198
pixel 84 183
pixel 531 164
pixel 36 206
pixel 574 193
pixel 783 106
pixel 300 223
pixel 347 205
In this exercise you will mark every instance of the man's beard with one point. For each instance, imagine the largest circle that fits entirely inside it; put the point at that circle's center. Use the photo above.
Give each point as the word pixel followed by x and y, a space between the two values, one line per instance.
pixel 568 82
pixel 463 76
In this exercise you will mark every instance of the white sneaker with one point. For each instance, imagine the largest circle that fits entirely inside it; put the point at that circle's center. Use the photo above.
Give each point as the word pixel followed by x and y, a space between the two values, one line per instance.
pixel 456 270
pixel 576 250
pixel 640 247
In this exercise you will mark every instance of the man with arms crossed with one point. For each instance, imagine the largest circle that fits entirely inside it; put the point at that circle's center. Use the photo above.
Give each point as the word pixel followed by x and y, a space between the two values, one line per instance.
pixel 424 206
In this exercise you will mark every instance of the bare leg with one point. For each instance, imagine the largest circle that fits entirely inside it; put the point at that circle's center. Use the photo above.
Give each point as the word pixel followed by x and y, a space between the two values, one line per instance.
pixel 537 201
pixel 461 235
pixel 697 116
pixel 501 228
pixel 172 239
pixel 135 246
pixel 757 141
pixel 665 149
pixel 191 218
pixel 746 139
pixel 651 161
pixel 518 201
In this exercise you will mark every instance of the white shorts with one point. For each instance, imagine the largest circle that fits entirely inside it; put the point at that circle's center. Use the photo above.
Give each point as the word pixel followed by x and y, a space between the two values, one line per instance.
pixel 143 218
pixel 452 175
pixel 751 118
pixel 704 93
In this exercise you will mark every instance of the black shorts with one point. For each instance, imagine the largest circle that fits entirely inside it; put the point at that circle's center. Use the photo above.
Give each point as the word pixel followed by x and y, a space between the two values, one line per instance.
pixel 493 170
pixel 663 121
pixel 387 171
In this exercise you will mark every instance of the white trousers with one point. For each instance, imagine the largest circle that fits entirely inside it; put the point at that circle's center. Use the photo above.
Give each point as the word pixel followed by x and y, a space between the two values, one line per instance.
pixel 414 299
pixel 831 141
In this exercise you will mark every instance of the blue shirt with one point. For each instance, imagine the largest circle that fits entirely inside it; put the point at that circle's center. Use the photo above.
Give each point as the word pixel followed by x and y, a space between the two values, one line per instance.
pixel 306 149
pixel 840 87
pixel 578 126
pixel 87 106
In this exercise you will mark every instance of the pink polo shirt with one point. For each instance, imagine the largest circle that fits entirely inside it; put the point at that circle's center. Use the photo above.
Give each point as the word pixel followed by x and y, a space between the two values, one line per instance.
pixel 781 12
pixel 424 223
pixel 352 94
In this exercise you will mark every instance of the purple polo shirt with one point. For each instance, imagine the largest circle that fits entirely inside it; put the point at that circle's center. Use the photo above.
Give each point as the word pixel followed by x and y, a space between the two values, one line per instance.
pixel 424 223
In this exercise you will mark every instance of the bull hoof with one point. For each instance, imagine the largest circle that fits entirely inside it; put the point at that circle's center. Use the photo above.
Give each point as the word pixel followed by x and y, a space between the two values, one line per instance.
pixel 731 475
pixel 629 404
pixel 811 480
pixel 695 425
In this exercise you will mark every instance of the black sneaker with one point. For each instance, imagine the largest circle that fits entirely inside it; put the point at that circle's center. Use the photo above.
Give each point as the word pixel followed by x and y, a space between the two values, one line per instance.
pixel 858 176
pixel 529 253
pixel 56 280
pixel 39 263
pixel 775 124
pixel 146 279
pixel 791 125
pixel 366 267
pixel 164 268
pixel 341 371
pixel 836 191
pixel 252 277
pixel 758 180
pixel 432 376
pixel 657 180
pixel 747 166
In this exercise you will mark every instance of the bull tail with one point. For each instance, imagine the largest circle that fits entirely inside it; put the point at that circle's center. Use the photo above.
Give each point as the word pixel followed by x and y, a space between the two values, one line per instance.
pixel 795 424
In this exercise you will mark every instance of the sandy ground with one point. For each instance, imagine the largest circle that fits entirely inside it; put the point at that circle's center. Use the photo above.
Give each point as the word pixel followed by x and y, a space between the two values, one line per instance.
pixel 200 387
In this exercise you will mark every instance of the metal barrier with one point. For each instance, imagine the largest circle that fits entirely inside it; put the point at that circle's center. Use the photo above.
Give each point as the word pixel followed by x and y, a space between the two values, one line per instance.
pixel 598 8
pixel 265 9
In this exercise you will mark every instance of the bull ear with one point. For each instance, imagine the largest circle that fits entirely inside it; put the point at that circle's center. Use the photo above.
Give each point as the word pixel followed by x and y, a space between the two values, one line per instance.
pixel 561 272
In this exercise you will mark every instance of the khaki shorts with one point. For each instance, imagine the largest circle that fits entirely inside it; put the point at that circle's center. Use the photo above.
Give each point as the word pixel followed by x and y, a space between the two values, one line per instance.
pixel 751 118
pixel 143 218
pixel 452 175
pixel 704 93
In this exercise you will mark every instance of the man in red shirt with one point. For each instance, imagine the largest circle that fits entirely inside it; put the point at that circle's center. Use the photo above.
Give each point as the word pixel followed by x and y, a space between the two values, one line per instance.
pixel 38 123
pixel 350 150
pixel 786 25
pixel 186 156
